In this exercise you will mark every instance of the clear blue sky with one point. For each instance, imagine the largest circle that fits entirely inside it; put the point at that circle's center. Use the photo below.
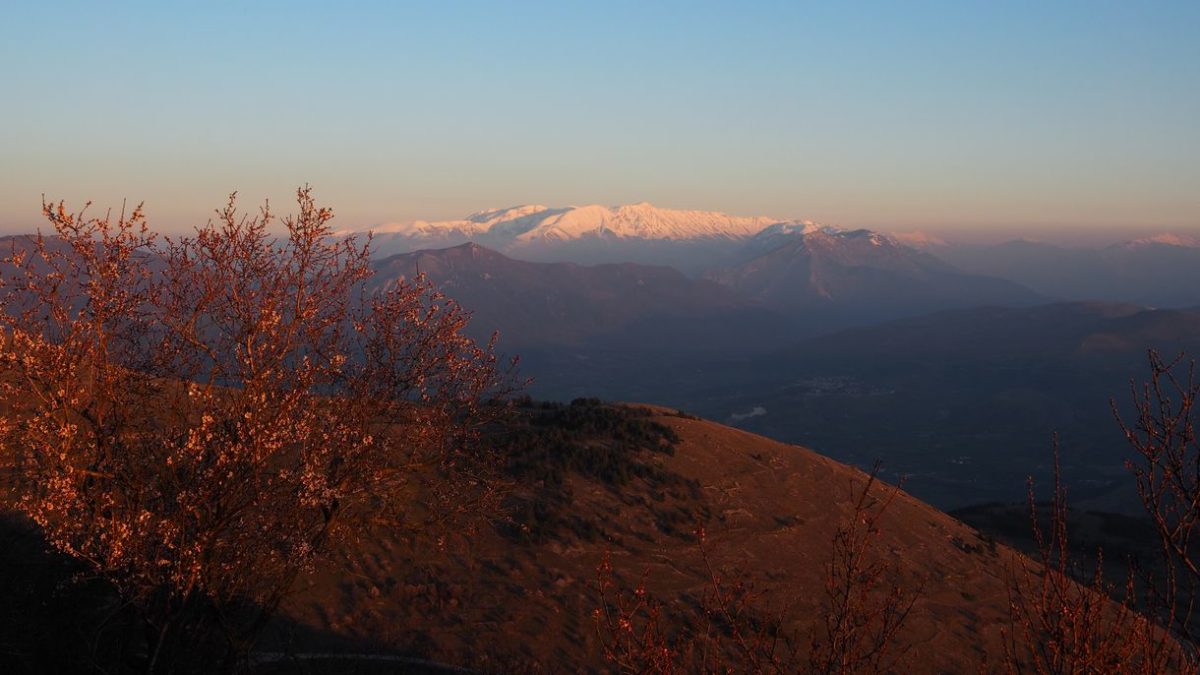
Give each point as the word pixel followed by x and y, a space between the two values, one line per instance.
pixel 976 116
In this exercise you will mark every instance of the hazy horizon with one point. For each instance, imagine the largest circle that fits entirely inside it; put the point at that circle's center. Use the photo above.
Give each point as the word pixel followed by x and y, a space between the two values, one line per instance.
pixel 982 122
pixel 1082 236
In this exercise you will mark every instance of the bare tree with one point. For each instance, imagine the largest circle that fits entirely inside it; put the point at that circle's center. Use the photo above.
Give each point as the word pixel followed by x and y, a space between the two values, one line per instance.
pixel 1166 469
pixel 1067 621
pixel 201 419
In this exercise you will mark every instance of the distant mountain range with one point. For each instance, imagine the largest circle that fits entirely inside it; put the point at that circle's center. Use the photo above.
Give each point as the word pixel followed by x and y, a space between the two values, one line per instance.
pixel 813 277
pixel 621 305
pixel 641 233
pixel 860 276
pixel 1157 271
pixel 809 280
pixel 834 264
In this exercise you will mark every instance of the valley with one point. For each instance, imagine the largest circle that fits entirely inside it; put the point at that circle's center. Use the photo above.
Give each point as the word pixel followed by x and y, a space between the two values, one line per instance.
pixel 849 342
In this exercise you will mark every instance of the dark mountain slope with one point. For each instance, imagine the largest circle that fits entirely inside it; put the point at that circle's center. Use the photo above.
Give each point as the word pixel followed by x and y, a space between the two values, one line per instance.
pixel 626 306
pixel 965 402
pixel 1146 272
pixel 862 276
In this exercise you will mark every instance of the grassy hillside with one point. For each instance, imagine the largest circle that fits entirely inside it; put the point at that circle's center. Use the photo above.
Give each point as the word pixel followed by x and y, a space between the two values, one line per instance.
pixel 771 509
pixel 588 482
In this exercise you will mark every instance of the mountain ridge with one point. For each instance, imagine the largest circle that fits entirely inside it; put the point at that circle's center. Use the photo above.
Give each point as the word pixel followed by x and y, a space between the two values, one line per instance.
pixel 859 271
pixel 571 305
pixel 688 239
pixel 642 220
pixel 1158 271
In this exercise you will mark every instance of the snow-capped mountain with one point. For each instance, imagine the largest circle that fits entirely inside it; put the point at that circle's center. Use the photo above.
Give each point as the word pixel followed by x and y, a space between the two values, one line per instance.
pixel 787 265
pixel 1164 239
pixel 780 234
pixel 531 223
pixel 640 233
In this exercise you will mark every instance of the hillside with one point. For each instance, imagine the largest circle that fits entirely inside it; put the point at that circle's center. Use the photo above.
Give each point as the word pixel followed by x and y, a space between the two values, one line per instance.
pixel 590 482
pixel 772 511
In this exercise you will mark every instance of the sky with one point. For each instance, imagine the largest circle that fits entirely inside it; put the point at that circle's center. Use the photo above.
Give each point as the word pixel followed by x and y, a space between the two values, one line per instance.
pixel 979 119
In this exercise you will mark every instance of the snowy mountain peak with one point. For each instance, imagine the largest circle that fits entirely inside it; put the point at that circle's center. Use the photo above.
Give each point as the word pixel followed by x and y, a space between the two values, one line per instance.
pixel 1166 239
pixel 795 227
pixel 491 216
pixel 591 233
pixel 535 222
pixel 642 221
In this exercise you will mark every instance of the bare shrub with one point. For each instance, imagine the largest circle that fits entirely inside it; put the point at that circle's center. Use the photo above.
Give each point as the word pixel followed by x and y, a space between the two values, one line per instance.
pixel 632 628
pixel 201 419
pixel 1166 469
pixel 727 632
pixel 1065 620
pixel 865 605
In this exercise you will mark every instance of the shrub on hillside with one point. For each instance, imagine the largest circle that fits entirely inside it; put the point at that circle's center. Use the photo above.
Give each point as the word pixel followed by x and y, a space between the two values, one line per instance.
pixel 198 420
